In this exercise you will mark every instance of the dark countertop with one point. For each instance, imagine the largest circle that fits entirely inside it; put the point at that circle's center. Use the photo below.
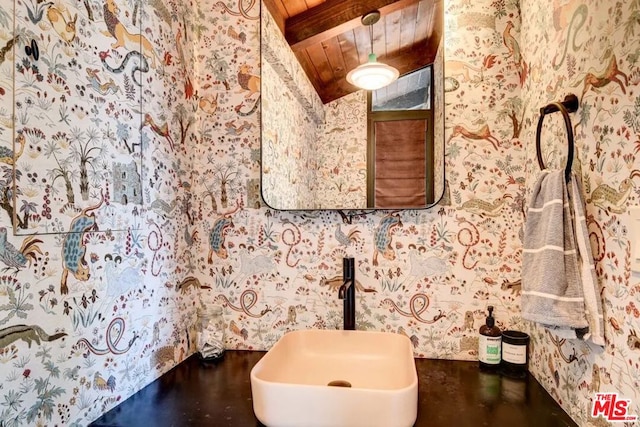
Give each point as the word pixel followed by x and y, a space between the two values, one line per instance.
pixel 450 393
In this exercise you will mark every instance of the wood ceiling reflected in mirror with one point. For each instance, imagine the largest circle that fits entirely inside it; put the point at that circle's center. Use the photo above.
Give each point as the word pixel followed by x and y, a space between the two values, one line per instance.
pixel 329 40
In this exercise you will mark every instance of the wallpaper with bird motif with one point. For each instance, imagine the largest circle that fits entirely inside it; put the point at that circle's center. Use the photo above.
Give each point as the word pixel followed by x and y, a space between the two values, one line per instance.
pixel 201 233
pixel 591 49
pixel 95 114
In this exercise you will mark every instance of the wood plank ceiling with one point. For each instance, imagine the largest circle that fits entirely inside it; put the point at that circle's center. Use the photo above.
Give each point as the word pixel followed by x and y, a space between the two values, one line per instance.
pixel 329 40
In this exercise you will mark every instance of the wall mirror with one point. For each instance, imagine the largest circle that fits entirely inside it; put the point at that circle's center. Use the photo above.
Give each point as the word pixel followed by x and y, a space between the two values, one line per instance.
pixel 327 144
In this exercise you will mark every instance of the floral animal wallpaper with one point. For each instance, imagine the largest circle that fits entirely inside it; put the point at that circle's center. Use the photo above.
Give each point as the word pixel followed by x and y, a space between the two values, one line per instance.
pixel 59 132
pixel 290 154
pixel 201 233
pixel 342 160
pixel 590 49
pixel 292 114
pixel 97 108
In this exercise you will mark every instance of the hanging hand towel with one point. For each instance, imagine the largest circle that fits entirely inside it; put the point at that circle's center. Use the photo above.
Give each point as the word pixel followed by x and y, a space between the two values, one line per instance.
pixel 554 277
pixel 590 288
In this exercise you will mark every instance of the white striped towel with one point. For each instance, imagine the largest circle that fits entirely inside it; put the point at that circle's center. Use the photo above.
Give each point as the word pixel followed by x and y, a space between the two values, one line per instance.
pixel 559 285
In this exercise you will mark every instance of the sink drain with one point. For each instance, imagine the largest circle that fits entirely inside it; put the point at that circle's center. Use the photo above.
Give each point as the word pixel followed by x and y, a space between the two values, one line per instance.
pixel 339 383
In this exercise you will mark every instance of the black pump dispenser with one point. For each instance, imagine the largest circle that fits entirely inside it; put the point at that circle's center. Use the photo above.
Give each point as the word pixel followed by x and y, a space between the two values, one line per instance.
pixel 491 321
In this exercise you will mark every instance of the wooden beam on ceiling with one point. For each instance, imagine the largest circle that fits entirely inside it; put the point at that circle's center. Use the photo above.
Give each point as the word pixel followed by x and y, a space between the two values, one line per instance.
pixel 334 17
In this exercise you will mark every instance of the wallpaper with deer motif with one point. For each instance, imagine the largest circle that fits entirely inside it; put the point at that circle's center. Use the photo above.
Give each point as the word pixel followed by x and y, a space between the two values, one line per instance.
pixel 590 49
pixel 202 233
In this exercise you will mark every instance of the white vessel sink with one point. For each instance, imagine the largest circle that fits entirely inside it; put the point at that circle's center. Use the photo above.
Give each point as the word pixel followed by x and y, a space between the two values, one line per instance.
pixel 336 378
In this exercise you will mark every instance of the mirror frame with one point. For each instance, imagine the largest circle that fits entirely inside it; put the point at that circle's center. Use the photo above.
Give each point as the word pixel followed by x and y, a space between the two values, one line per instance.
pixel 438 101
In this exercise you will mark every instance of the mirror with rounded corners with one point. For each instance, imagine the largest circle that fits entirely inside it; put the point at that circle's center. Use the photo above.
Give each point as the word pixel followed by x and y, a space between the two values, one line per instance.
pixel 322 147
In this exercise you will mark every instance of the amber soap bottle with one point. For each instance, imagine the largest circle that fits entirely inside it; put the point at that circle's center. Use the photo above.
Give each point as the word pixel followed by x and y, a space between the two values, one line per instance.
pixel 489 344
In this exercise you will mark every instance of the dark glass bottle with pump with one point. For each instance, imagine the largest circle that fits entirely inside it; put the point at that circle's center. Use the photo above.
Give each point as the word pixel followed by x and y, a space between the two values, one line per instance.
pixel 489 344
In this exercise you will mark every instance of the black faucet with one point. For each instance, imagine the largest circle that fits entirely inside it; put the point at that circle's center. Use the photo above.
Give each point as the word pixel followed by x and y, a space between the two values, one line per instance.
pixel 347 292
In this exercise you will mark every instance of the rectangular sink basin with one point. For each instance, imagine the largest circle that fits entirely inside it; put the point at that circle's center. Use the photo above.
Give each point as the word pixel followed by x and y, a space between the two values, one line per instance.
pixel 336 378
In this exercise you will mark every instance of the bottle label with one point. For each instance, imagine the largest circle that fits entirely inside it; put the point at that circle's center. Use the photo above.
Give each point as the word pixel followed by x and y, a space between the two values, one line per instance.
pixel 514 353
pixel 489 350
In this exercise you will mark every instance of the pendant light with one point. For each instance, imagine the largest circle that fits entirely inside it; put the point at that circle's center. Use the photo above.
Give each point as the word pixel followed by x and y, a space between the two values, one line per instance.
pixel 372 75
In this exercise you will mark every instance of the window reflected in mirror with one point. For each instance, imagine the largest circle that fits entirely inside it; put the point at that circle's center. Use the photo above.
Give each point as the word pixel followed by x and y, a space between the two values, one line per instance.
pixel 400 143
pixel 410 92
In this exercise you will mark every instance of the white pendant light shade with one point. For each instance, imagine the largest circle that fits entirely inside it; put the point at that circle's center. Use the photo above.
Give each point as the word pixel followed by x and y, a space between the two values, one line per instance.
pixel 372 75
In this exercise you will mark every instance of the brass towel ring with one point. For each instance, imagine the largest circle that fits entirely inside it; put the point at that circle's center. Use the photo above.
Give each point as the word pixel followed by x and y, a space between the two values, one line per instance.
pixel 569 105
